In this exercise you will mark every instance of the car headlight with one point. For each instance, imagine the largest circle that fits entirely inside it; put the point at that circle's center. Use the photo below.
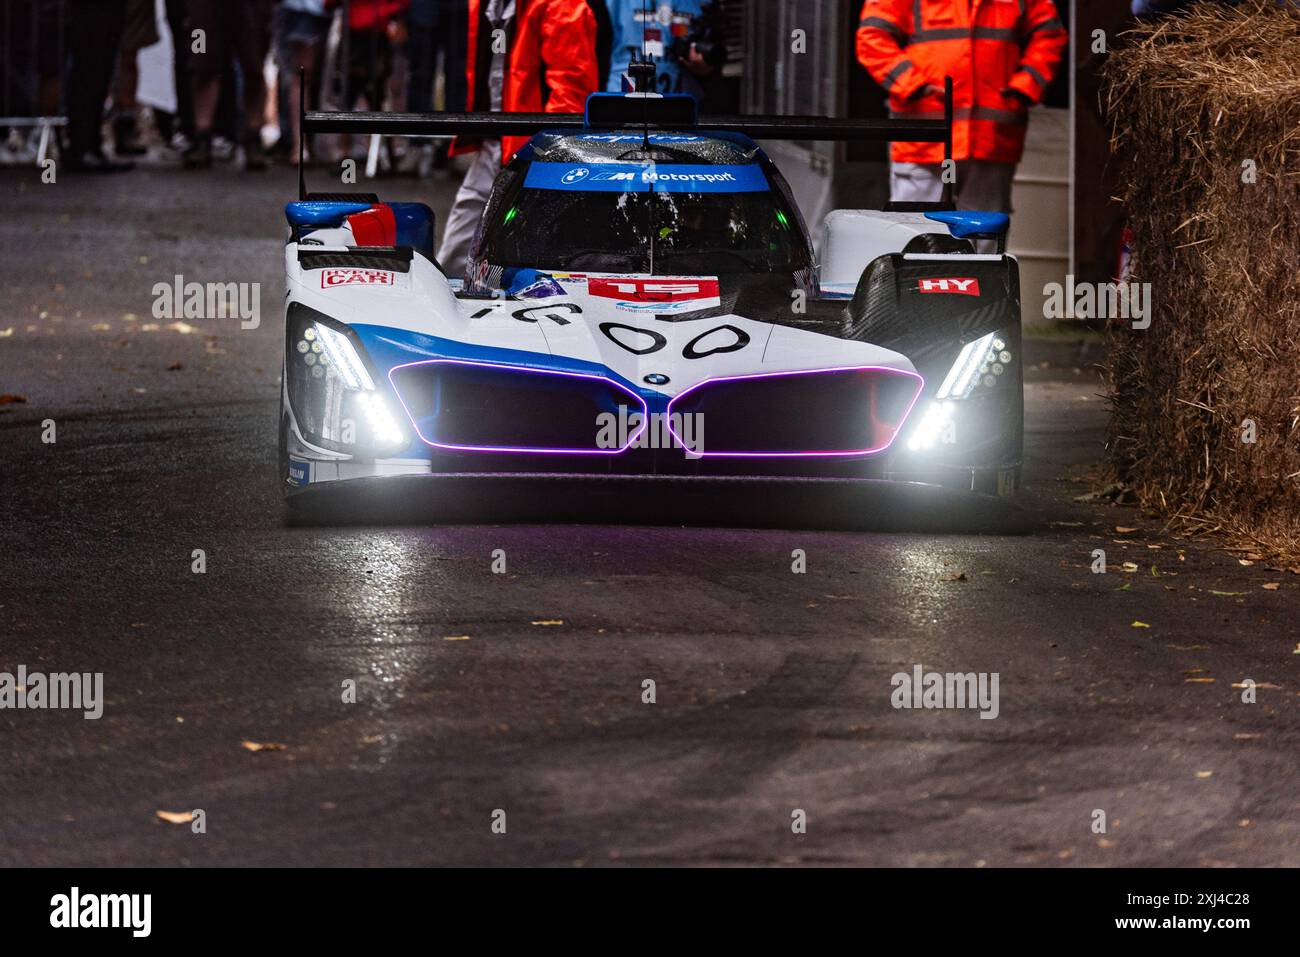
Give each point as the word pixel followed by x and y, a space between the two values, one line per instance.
pixel 982 364
pixel 332 389
pixel 979 363
pixel 935 425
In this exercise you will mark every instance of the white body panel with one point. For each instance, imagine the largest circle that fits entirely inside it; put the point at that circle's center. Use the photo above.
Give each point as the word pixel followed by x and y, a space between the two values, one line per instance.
pixel 852 238
pixel 622 335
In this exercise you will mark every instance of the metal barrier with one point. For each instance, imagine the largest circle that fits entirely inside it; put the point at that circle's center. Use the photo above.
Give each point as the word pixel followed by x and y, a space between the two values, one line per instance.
pixel 32 60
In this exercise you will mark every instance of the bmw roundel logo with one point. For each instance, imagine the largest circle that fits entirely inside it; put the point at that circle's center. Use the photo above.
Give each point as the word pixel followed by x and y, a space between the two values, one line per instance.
pixel 656 378
pixel 576 175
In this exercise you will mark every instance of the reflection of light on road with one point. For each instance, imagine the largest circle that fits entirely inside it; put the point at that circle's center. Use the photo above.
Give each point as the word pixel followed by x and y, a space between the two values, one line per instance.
pixel 376 593
pixel 923 589
pixel 944 617
pixel 376 626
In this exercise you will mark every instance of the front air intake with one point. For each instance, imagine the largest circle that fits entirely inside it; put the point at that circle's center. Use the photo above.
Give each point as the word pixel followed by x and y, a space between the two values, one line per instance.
pixel 822 412
pixel 470 406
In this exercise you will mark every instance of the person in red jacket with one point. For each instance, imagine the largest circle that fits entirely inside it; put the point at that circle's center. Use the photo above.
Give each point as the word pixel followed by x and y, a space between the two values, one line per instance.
pixel 375 28
pixel 1001 55
pixel 525 56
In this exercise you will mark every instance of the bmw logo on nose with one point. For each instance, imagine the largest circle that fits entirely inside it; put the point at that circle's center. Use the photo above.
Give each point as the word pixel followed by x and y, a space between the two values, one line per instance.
pixel 575 175
pixel 656 378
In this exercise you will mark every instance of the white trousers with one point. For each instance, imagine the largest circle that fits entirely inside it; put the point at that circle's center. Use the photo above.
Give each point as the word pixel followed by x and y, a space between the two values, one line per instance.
pixel 467 210
pixel 979 185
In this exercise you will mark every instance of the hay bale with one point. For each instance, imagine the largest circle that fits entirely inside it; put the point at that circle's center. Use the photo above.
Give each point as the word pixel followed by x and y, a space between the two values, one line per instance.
pixel 1192 97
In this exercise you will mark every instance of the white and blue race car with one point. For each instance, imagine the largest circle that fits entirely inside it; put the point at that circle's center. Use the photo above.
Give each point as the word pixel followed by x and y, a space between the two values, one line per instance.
pixel 643 299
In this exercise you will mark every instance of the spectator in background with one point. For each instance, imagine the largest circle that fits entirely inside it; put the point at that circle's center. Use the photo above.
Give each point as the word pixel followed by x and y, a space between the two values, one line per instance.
pixel 374 28
pixel 684 37
pixel 1001 63
pixel 178 128
pixel 238 30
pixel 32 65
pixel 94 35
pixel 550 64
pixel 141 31
pixel 299 30
pixel 227 128
pixel 437 27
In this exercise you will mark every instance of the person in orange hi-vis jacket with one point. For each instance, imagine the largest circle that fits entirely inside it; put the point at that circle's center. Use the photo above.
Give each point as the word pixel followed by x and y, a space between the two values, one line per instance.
pixel 525 56
pixel 1001 55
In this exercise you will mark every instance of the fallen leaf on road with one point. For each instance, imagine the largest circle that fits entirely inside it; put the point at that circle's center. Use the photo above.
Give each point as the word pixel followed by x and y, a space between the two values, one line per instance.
pixel 1260 684
pixel 1204 774
pixel 1245 737
pixel 1227 593
pixel 1125 529
pixel 176 817
pixel 1245 561
pixel 1271 586
pixel 1198 681
pixel 176 367
pixel 1140 624
pixel 9 398
pixel 1125 587
pixel 262 746
pixel 959 577
pixel 455 637
pixel 1065 524
pixel 549 621
pixel 184 328
pixel 100 327
pixel 1129 566
pixel 6 333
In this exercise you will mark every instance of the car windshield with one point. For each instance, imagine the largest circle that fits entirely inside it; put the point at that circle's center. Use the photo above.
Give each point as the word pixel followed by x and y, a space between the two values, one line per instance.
pixel 665 233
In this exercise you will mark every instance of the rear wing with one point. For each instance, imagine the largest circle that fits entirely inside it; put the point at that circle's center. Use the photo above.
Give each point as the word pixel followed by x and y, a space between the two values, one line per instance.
pixel 639 113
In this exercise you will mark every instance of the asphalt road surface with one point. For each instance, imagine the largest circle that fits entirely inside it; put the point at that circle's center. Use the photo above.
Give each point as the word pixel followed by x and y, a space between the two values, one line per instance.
pixel 523 691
